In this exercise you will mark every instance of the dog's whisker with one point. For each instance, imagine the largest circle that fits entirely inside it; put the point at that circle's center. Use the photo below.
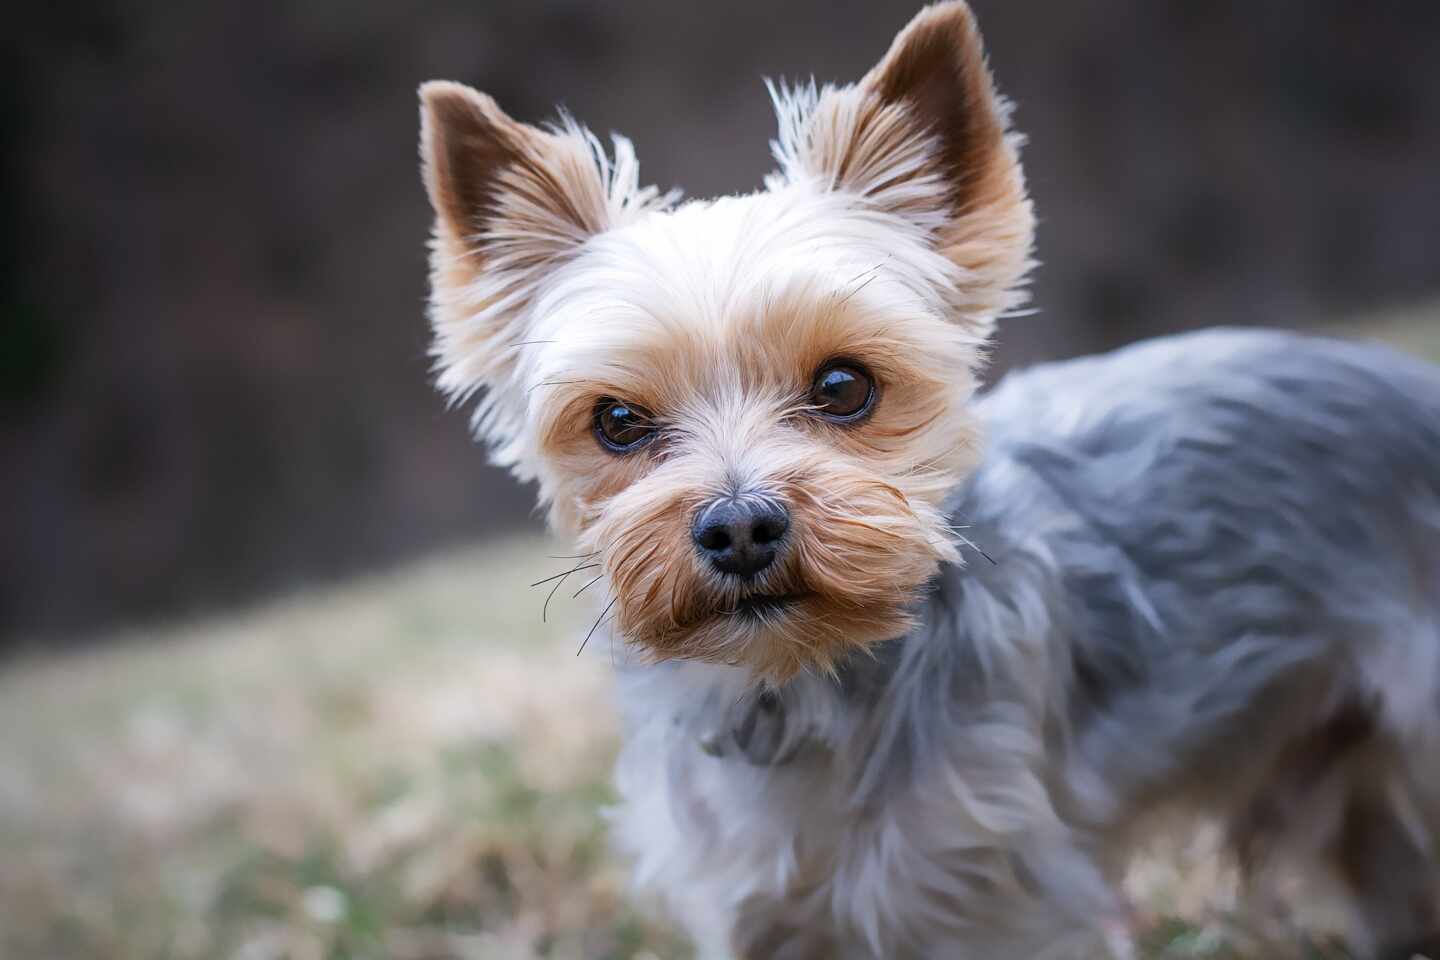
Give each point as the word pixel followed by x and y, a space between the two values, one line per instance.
pixel 974 546
pixel 596 624
pixel 551 383
pixel 865 273
pixel 545 607
pixel 853 293
pixel 566 573
pixel 587 586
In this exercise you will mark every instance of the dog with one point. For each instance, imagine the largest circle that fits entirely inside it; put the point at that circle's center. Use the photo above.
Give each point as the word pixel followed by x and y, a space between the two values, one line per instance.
pixel 910 670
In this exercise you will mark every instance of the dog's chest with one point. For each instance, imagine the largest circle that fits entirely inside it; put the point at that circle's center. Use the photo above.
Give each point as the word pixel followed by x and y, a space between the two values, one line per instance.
pixel 709 823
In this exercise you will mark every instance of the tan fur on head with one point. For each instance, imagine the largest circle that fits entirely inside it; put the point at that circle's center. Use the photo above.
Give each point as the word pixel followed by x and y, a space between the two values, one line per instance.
pixel 894 232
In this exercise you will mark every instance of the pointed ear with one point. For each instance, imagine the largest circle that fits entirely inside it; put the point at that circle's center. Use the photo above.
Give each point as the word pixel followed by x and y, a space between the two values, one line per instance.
pixel 488 174
pixel 512 203
pixel 924 135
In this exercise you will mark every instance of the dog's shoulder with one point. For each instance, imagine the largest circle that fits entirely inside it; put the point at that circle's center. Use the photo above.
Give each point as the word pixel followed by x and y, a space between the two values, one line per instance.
pixel 1188 378
pixel 1188 461
pixel 1259 406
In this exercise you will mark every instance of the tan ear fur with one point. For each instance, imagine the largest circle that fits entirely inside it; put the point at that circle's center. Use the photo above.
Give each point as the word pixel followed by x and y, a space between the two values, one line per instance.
pixel 926 136
pixel 512 203
pixel 488 174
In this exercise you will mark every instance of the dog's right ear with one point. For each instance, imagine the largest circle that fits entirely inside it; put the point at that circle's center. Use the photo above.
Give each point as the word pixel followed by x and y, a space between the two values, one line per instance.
pixel 512 203
pixel 488 176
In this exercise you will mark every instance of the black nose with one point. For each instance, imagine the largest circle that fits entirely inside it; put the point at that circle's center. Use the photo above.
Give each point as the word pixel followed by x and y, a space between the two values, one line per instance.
pixel 740 536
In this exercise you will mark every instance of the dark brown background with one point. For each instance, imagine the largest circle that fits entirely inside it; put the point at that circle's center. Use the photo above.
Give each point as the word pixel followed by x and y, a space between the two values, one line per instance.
pixel 213 378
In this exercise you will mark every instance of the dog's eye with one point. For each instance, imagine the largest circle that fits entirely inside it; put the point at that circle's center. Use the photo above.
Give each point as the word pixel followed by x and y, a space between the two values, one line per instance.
pixel 622 427
pixel 842 391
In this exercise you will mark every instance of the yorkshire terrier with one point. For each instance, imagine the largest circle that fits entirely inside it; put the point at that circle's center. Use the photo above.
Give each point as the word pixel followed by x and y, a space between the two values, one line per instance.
pixel 910 672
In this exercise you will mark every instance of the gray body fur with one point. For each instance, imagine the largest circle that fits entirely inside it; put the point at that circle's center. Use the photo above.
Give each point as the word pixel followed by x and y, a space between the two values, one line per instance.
pixel 1215 591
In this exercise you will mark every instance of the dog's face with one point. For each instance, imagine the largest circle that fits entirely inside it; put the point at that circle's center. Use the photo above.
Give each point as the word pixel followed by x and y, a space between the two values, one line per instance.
pixel 746 411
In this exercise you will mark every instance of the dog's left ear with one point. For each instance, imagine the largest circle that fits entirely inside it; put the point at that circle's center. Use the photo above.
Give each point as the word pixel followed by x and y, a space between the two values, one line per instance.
pixel 925 136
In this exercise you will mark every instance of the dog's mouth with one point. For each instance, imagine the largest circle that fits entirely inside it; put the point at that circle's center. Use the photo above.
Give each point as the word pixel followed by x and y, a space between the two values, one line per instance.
pixel 762 606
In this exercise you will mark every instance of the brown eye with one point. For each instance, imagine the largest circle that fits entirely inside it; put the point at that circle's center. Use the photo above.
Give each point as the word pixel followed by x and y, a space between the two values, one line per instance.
pixel 842 391
pixel 622 427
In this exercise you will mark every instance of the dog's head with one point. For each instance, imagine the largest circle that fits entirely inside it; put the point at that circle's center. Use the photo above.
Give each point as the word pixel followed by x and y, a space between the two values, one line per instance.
pixel 747 409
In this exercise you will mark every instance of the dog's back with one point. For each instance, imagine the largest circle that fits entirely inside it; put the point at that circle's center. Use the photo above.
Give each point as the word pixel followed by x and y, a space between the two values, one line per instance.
pixel 1247 526
pixel 1265 489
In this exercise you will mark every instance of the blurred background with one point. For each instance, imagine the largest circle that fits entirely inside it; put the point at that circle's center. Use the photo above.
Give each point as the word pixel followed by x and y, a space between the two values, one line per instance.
pixel 215 410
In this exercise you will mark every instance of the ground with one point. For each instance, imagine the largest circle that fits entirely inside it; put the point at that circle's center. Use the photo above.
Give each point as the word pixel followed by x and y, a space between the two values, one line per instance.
pixel 412 765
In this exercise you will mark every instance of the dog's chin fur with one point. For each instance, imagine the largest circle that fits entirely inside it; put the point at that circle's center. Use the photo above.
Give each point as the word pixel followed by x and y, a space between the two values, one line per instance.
pixel 860 549
pixel 970 789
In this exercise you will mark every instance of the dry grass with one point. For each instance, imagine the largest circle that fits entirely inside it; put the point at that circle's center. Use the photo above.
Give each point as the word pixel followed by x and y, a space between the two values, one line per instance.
pixel 410 766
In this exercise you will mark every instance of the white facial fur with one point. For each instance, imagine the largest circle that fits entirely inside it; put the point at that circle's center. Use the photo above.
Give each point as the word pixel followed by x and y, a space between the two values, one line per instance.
pixel 893 233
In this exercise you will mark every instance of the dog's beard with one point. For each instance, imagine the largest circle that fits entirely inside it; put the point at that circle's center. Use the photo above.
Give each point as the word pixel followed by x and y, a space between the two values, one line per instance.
pixel 859 552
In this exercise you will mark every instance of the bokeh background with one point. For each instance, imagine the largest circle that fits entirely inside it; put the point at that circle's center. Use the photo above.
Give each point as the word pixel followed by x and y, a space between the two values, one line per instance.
pixel 215 411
